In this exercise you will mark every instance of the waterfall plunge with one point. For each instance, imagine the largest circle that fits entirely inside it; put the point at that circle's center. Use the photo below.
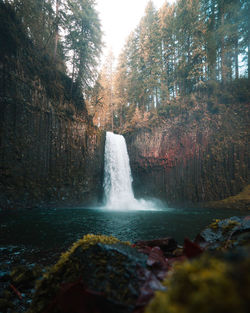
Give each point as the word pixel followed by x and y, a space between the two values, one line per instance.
pixel 118 179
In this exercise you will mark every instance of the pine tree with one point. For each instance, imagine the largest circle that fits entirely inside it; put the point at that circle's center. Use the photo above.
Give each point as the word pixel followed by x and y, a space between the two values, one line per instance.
pixel 183 48
pixel 245 31
pixel 101 98
pixel 83 40
pixel 168 48
pixel 121 88
pixel 37 17
pixel 190 36
pixel 150 51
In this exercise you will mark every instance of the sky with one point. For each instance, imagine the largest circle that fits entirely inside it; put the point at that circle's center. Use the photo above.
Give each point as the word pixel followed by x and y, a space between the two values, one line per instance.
pixel 119 18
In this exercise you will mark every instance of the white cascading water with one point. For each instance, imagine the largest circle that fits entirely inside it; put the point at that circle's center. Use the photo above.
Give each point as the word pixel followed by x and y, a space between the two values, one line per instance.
pixel 117 177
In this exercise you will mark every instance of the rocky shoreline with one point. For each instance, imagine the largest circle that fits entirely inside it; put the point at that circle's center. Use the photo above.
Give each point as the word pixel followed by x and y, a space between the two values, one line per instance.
pixel 102 274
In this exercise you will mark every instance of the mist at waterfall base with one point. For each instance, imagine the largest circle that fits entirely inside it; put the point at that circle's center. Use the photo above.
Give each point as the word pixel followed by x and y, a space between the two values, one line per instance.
pixel 118 191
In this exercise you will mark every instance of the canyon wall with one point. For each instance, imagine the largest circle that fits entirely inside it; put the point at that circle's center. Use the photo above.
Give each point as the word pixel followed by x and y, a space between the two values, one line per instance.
pixel 197 156
pixel 50 153
pixel 45 155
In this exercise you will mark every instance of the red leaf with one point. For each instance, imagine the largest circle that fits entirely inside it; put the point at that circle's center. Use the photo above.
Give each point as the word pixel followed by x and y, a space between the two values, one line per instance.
pixel 16 291
pixel 191 249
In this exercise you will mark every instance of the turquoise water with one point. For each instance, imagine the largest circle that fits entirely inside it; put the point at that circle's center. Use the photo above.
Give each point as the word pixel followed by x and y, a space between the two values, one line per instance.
pixel 39 236
pixel 59 227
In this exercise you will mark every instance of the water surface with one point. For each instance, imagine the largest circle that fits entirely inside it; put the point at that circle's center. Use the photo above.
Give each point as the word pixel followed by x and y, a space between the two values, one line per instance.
pixel 41 232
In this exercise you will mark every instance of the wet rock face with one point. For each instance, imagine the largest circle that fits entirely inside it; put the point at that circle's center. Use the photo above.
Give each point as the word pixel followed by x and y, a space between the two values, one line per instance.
pixel 49 152
pixel 217 284
pixel 112 269
pixel 99 274
pixel 185 161
pixel 217 264
pixel 227 233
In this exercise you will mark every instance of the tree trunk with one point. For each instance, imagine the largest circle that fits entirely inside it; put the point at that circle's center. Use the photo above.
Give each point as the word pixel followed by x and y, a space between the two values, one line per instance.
pixel 73 73
pixel 156 97
pixel 223 65
pixel 211 45
pixel 248 57
pixel 56 29
pixel 236 60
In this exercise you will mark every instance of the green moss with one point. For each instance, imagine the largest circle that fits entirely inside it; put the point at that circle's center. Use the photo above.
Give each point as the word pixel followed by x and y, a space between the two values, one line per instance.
pixel 85 243
pixel 206 285
pixel 229 226
pixel 25 277
pixel 215 224
pixel 243 195
pixel 239 201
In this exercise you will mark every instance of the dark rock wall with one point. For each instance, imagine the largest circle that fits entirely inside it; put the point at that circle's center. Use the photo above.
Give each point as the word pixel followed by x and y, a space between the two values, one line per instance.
pixel 49 153
pixel 186 159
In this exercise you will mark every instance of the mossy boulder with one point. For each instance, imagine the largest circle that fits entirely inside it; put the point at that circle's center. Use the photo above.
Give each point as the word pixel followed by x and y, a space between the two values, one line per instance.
pixel 206 285
pixel 220 234
pixel 98 274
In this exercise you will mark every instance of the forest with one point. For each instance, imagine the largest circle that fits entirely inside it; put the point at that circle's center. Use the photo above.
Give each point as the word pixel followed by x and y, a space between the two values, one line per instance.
pixel 195 47
pixel 66 33
pixel 192 47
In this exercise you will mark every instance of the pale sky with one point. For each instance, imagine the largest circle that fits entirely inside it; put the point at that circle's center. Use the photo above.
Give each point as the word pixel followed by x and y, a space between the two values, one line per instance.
pixel 119 18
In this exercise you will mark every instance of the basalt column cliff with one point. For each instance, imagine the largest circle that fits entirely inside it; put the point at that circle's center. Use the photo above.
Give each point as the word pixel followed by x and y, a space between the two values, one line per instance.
pixel 49 150
pixel 197 156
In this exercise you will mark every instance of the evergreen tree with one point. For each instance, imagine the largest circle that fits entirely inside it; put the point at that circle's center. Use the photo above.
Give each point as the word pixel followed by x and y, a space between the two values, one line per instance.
pixel 168 48
pixel 150 52
pixel 190 31
pixel 121 88
pixel 78 23
pixel 37 17
pixel 245 31
pixel 101 97
pixel 83 40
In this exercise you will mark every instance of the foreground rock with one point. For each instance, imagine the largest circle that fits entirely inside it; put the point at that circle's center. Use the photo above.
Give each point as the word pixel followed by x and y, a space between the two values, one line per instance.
pixel 99 274
pixel 207 285
pixel 230 232
pixel 167 245
pixel 214 282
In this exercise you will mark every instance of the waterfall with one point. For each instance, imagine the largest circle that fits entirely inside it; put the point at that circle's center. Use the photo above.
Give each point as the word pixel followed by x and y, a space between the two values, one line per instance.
pixel 117 177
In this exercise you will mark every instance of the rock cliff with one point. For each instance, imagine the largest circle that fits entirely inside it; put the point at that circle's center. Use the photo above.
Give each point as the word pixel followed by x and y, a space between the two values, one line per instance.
pixel 49 150
pixel 196 156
